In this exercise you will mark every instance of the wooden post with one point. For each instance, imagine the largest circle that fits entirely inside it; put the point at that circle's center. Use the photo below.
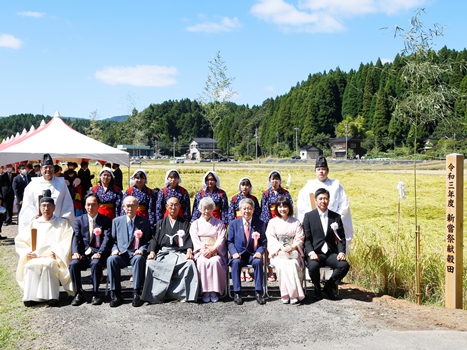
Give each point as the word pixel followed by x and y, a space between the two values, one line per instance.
pixel 418 293
pixel 454 229
pixel 33 239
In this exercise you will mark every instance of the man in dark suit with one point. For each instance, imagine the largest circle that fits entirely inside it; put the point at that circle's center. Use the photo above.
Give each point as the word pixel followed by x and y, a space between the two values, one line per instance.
pixel 19 184
pixel 325 244
pixel 85 175
pixel 247 243
pixel 6 184
pixel 130 234
pixel 90 248
pixel 118 176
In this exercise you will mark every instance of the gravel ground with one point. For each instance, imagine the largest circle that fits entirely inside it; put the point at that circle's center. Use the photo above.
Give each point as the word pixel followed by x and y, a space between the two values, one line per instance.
pixel 359 320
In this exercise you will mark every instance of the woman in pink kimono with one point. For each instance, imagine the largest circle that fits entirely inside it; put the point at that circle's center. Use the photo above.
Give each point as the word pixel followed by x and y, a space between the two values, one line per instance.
pixel 285 246
pixel 209 247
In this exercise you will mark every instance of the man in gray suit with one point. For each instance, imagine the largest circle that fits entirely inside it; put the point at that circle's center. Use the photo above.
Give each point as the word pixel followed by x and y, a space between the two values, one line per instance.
pixel 131 234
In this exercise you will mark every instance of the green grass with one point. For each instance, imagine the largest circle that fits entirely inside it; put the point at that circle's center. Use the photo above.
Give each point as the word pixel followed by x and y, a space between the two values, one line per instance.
pixel 14 325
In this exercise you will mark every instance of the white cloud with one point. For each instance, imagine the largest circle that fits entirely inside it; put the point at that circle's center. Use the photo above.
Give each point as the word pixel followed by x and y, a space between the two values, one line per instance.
pixel 9 41
pixel 225 25
pixel 141 75
pixel 31 14
pixel 324 15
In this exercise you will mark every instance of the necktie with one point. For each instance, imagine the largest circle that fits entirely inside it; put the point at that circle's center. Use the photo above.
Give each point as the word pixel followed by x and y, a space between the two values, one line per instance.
pixel 247 231
pixel 130 230
pixel 324 248
pixel 91 227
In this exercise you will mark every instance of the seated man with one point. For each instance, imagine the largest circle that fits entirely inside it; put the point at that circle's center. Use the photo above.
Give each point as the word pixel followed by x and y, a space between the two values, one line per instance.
pixel 247 244
pixel 44 257
pixel 130 234
pixel 90 248
pixel 325 244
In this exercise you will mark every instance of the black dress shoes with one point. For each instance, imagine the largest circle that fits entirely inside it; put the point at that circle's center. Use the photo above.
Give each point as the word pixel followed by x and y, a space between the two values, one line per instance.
pixel 259 299
pixel 331 290
pixel 96 300
pixel 53 302
pixel 78 299
pixel 317 293
pixel 137 302
pixel 238 299
pixel 116 300
pixel 29 303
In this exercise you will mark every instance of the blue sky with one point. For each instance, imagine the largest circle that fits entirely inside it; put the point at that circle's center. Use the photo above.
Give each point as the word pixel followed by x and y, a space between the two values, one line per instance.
pixel 112 56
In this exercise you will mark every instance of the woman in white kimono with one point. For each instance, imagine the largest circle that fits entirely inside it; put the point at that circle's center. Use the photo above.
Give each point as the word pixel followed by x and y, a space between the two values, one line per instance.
pixel 209 247
pixel 43 260
pixel 285 246
pixel 170 269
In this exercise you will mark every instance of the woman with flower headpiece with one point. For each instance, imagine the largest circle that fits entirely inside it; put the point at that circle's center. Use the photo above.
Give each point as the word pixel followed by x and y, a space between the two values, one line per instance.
pixel 146 197
pixel 285 247
pixel 244 187
pixel 110 196
pixel 172 188
pixel 170 269
pixel 210 251
pixel 212 188
pixel 269 200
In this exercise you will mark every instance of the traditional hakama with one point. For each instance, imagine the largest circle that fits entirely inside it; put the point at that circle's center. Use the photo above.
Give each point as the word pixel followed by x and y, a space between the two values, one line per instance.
pixel 171 275
pixel 269 200
pixel 211 271
pixel 288 265
pixel 111 200
pixel 40 278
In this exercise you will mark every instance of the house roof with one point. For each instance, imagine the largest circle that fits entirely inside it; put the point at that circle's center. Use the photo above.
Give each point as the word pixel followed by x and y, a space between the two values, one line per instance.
pixel 309 148
pixel 203 140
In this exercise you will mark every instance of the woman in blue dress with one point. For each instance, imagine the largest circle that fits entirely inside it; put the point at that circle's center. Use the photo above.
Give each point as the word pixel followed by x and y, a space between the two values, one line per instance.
pixel 109 194
pixel 172 188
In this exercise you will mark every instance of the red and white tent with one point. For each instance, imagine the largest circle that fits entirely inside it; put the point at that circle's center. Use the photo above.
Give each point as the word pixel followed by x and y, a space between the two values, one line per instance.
pixel 61 142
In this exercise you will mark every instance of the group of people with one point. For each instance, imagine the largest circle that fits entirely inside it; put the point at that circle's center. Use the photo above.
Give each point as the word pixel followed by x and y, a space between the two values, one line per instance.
pixel 176 253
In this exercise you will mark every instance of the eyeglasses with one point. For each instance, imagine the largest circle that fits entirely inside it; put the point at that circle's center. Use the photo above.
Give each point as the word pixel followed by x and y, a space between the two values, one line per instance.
pixel 132 205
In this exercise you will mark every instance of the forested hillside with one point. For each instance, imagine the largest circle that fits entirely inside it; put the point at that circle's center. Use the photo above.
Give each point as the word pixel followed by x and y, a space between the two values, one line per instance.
pixel 320 107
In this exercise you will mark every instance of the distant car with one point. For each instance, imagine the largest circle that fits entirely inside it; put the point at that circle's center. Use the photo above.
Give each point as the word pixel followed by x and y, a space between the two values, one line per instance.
pixel 296 157
pixel 222 160
pixel 366 156
pixel 136 161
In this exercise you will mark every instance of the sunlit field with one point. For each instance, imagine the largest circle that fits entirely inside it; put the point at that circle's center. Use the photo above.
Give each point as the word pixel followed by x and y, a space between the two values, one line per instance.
pixel 374 206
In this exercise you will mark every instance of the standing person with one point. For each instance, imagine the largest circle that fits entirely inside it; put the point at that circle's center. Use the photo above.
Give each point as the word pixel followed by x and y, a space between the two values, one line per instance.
pixel 171 270
pixel 74 186
pixel 130 236
pixel 30 170
pixel 44 267
pixel 268 203
pixel 325 244
pixel 244 187
pixel 285 246
pixel 118 176
pixel 19 184
pixel 90 249
pixel 172 188
pixel 8 195
pixel 85 175
pixel 37 170
pixel 338 201
pixel 59 192
pixel 210 250
pixel 110 196
pixel 2 215
pixel 212 188
pixel 247 244
pixel 146 197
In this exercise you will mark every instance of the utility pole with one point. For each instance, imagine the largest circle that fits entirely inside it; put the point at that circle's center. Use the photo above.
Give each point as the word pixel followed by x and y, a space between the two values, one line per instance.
pixel 174 139
pixel 256 137
pixel 346 140
pixel 296 141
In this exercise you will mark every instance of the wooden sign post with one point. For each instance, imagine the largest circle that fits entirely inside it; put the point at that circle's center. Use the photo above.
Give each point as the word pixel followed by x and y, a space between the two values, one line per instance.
pixel 454 229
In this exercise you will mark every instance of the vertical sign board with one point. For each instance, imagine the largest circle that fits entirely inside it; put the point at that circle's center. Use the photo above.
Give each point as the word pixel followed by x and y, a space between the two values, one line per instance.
pixel 454 221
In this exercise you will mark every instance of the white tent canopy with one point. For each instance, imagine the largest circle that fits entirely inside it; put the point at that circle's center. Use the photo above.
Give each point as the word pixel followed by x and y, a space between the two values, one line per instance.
pixel 62 143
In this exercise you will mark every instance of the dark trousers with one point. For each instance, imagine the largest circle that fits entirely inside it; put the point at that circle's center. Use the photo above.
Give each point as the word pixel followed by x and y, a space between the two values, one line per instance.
pixel 8 204
pixel 340 267
pixel 247 259
pixel 117 262
pixel 96 265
